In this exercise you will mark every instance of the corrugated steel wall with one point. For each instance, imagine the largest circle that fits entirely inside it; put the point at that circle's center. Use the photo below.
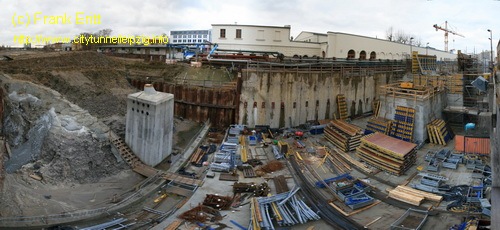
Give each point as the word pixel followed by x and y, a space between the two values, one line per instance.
pixel 200 103
pixel 472 145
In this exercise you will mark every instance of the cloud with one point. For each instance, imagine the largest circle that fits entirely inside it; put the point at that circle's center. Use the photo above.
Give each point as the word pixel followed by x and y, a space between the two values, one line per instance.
pixel 368 18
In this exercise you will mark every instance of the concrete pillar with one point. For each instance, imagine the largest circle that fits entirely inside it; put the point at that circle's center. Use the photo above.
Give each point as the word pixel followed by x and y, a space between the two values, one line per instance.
pixel 149 124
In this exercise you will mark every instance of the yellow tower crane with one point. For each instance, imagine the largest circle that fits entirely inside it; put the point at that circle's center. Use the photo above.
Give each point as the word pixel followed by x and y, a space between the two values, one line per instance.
pixel 446 31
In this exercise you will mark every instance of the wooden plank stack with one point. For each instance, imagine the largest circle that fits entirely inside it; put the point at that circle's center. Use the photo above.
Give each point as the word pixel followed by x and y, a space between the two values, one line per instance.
pixel 438 132
pixel 342 107
pixel 379 124
pixel 402 127
pixel 343 135
pixel 412 196
pixel 387 153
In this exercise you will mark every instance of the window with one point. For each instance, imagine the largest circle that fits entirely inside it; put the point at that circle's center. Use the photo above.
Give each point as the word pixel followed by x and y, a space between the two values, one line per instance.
pixel 362 55
pixel 138 49
pixel 157 49
pixel 204 36
pixel 277 35
pixel 351 54
pixel 199 40
pixel 238 33
pixel 189 36
pixel 260 35
pixel 222 33
pixel 189 40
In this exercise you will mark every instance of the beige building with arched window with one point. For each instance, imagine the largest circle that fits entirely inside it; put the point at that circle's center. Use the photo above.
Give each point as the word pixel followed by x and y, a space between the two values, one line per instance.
pixel 310 44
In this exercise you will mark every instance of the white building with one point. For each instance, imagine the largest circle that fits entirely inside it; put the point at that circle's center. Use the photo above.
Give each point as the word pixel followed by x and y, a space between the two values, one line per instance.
pixel 261 38
pixel 327 45
pixel 190 36
pixel 149 124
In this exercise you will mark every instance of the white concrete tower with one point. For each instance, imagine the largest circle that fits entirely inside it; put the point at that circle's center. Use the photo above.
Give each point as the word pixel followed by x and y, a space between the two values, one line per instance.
pixel 150 116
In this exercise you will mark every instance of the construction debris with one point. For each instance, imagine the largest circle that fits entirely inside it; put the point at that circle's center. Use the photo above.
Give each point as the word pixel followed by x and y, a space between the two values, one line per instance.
pixel 272 166
pixel 257 190
pixel 343 135
pixel 202 214
pixel 218 202
pixel 387 153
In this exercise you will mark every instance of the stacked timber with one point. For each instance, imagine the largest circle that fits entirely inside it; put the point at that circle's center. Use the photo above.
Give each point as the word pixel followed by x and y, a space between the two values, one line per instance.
pixel 343 135
pixel 387 153
pixel 342 106
pixel 378 124
pixel 412 196
pixel 438 132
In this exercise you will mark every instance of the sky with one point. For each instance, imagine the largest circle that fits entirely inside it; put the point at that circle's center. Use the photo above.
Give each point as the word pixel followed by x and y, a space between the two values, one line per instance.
pixel 369 18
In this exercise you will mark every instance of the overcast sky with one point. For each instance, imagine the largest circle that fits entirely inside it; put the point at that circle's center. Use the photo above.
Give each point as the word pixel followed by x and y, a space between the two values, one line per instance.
pixel 470 18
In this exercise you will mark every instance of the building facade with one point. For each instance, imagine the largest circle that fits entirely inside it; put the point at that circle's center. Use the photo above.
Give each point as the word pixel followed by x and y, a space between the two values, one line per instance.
pixel 261 39
pixel 309 44
pixel 149 124
pixel 188 37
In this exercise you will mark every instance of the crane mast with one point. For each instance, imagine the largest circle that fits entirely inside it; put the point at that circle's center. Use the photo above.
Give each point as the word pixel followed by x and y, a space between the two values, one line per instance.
pixel 446 31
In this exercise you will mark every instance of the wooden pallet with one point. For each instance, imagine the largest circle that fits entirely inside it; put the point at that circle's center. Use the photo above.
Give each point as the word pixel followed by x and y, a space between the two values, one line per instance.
pixel 342 106
pixel 376 108
pixel 438 132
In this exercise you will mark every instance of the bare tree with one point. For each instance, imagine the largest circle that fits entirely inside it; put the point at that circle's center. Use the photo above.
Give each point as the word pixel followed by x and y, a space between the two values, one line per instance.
pixel 389 34
pixel 103 32
pixel 402 37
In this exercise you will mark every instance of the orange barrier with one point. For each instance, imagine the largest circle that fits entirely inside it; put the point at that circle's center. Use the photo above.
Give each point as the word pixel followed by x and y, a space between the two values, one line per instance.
pixel 472 145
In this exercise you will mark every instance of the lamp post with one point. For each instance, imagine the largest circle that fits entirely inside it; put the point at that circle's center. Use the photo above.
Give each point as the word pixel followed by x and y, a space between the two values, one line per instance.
pixel 426 48
pixel 491 49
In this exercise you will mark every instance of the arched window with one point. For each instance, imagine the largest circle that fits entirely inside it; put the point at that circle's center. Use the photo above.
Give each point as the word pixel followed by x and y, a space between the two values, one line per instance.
pixel 362 55
pixel 373 55
pixel 351 54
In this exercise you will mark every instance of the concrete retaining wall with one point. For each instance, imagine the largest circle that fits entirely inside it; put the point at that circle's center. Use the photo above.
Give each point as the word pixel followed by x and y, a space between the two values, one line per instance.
pixel 290 98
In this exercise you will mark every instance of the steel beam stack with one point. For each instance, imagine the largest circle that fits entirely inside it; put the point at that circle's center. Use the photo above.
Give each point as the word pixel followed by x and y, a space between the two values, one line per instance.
pixel 387 153
pixel 343 135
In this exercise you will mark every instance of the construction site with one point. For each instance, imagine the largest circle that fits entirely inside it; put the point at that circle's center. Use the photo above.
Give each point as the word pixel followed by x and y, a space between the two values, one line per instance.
pixel 237 141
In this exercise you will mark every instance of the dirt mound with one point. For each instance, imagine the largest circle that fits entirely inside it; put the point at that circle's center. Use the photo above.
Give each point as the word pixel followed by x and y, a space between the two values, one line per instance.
pixel 66 143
